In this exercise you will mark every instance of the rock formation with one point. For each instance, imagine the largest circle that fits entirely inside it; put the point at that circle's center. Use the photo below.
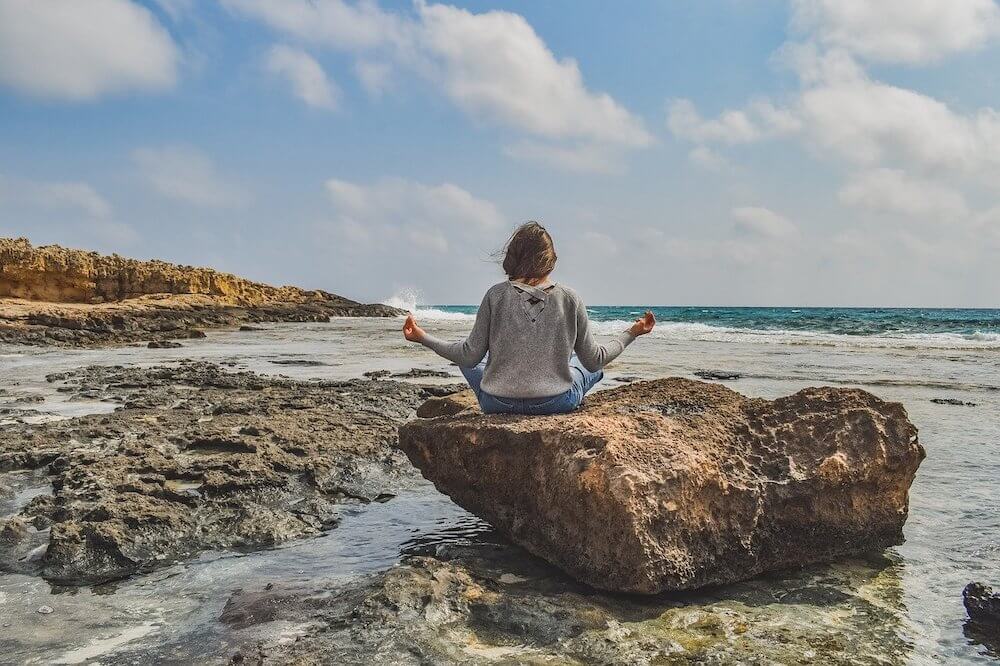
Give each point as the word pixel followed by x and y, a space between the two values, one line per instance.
pixel 60 275
pixel 198 458
pixel 676 484
pixel 54 295
pixel 983 606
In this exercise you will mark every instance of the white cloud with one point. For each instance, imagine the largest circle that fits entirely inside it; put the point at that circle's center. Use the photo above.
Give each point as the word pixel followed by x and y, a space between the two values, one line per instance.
pixel 433 236
pixel 176 9
pixel 82 50
pixel 79 196
pixel 870 122
pixel 492 65
pixel 376 77
pixel 495 66
pixel 599 242
pixel 892 191
pixel 755 242
pixel 186 174
pixel 841 111
pixel 75 196
pixel 333 22
pixel 899 31
pixel 412 206
pixel 586 158
pixel 63 209
pixel 763 222
pixel 761 119
pixel 306 76
pixel 731 126
pixel 706 158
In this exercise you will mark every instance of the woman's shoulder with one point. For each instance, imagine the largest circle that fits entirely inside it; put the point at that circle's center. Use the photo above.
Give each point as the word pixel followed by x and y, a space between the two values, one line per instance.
pixel 494 293
pixel 498 288
pixel 568 292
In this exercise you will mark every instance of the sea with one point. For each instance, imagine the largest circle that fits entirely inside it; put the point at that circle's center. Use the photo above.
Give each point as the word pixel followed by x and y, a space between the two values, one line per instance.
pixel 943 365
pixel 884 327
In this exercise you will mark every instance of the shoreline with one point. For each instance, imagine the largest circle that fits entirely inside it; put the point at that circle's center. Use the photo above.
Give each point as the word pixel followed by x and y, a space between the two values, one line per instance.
pixel 157 318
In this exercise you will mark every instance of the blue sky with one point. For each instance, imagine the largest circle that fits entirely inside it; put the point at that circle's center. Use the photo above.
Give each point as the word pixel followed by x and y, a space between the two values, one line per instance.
pixel 731 152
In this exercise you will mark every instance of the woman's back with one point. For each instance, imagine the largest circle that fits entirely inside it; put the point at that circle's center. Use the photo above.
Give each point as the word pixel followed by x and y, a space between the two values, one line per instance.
pixel 530 333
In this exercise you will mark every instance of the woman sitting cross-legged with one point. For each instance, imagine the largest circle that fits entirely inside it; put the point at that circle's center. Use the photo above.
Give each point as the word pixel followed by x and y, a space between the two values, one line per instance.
pixel 519 357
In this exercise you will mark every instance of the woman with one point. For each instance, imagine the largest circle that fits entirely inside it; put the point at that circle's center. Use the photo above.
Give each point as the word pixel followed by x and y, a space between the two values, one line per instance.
pixel 519 358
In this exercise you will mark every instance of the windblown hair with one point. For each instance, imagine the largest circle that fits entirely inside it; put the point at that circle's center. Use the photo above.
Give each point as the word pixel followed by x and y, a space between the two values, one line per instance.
pixel 529 253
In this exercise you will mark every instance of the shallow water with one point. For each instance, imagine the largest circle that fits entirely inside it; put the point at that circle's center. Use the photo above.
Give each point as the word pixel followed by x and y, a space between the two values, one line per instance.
pixel 953 533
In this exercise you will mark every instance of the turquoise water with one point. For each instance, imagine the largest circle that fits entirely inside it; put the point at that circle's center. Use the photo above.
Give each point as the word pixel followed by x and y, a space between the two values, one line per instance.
pixel 982 323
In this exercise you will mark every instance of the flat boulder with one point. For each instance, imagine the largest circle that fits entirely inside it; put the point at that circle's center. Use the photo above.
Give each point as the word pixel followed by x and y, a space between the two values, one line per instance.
pixel 676 484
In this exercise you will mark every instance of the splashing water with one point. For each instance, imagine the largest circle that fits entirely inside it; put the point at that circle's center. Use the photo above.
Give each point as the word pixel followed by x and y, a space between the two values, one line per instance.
pixel 404 299
pixel 408 298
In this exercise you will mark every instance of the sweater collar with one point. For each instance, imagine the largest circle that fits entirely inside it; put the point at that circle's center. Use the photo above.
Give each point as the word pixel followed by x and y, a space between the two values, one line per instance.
pixel 529 292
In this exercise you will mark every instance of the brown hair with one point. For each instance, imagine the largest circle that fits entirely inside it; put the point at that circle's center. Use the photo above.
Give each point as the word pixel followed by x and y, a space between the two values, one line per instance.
pixel 529 253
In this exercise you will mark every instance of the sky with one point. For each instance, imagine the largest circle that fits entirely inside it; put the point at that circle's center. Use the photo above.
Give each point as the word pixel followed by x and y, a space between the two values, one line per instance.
pixel 712 152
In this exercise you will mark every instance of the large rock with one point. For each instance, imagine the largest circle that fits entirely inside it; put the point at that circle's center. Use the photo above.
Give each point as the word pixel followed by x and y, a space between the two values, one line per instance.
pixel 675 484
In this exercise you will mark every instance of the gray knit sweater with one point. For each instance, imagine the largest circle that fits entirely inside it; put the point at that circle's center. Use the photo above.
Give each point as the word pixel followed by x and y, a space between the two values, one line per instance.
pixel 530 333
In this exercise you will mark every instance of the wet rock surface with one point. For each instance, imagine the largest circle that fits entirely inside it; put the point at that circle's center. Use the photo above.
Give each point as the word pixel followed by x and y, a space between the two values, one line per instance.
pixel 676 484
pixel 983 606
pixel 952 401
pixel 492 603
pixel 418 373
pixel 197 458
pixel 717 375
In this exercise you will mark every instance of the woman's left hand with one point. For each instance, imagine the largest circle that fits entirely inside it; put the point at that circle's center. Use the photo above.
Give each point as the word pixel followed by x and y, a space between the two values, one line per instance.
pixel 644 325
pixel 411 331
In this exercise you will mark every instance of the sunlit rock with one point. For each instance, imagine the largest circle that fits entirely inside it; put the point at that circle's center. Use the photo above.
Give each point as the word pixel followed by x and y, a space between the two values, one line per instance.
pixel 676 484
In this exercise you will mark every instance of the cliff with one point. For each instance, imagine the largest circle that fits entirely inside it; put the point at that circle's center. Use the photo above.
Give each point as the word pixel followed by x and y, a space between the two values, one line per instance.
pixel 56 295
pixel 62 275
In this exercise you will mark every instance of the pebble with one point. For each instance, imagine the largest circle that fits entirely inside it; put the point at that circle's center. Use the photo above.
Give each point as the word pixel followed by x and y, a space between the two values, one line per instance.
pixel 45 610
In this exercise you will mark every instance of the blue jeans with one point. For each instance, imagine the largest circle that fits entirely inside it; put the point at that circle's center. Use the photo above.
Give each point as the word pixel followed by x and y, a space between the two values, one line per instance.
pixel 583 381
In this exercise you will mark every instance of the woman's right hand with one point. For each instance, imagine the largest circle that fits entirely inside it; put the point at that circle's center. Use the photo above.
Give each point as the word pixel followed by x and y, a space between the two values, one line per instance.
pixel 411 331
pixel 644 325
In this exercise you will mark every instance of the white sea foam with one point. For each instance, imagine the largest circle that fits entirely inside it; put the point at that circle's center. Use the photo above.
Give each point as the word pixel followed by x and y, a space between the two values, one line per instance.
pixel 669 330
pixel 433 314
pixel 409 299
pixel 404 299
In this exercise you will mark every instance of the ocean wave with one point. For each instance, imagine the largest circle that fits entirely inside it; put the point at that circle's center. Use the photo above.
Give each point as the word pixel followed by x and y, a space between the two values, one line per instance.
pixel 409 299
pixel 433 314
pixel 404 299
pixel 679 331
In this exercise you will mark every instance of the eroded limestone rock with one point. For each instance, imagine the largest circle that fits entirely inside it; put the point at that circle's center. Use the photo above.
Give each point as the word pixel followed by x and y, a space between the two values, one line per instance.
pixel 198 458
pixel 676 484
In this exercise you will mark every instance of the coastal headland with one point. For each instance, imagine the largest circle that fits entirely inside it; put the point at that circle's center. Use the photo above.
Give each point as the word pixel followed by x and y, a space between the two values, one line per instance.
pixel 51 295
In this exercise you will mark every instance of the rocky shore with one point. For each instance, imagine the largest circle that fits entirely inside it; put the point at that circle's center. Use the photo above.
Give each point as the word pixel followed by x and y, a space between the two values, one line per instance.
pixel 56 296
pixel 197 459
